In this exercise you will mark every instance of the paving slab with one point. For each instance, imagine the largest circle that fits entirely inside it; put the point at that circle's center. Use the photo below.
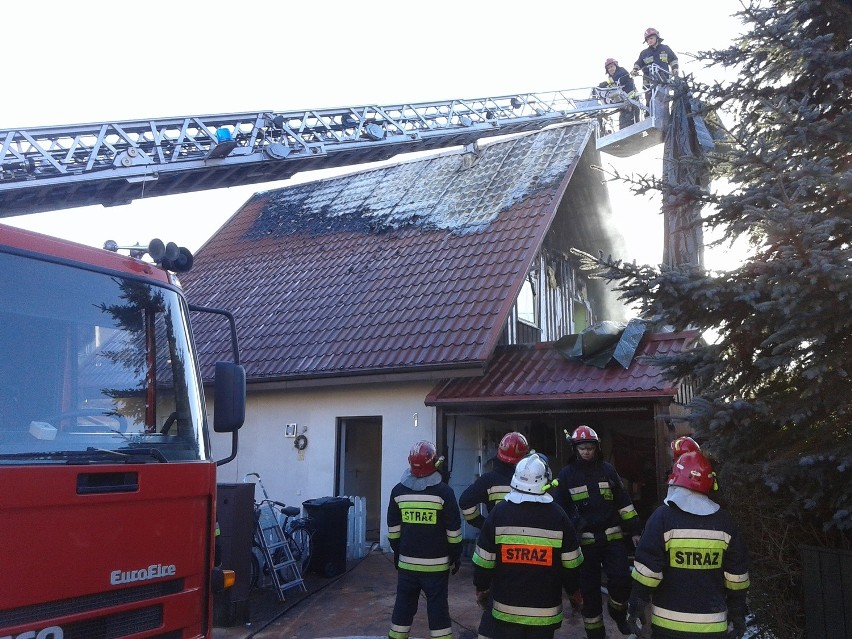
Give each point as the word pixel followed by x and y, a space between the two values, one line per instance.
pixel 358 605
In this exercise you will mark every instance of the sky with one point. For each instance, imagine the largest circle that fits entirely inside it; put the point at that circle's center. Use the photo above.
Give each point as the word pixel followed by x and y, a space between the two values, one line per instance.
pixel 96 61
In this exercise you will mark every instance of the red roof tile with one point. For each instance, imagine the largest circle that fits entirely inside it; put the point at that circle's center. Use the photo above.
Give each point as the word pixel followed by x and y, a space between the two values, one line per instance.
pixel 540 373
pixel 411 266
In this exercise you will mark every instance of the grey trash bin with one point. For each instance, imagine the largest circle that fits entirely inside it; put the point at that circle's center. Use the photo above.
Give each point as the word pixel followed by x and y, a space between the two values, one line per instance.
pixel 330 522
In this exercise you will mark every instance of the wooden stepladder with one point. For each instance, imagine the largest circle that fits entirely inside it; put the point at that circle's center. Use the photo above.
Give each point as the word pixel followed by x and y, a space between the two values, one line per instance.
pixel 283 568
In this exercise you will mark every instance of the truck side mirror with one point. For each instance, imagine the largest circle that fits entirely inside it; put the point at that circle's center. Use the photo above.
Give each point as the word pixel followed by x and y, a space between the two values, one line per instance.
pixel 229 397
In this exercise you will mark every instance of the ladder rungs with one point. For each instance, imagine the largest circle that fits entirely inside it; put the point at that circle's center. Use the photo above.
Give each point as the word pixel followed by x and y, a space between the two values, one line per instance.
pixel 286 574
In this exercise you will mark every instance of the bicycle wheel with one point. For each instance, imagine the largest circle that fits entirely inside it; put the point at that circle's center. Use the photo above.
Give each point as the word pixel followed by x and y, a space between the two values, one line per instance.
pixel 256 562
pixel 279 557
pixel 299 539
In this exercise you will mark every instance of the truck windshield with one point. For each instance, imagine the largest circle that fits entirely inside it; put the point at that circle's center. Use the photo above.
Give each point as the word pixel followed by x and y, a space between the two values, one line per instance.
pixel 94 362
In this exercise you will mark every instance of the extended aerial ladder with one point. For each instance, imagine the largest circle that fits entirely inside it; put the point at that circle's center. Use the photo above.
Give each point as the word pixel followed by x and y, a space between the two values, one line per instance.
pixel 113 163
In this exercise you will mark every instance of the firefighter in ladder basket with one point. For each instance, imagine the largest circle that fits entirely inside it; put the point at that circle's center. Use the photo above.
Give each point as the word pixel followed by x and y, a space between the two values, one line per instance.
pixel 618 83
pixel 657 62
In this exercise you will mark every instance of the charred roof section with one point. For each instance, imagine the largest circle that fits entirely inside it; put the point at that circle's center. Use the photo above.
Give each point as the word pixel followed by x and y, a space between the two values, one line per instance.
pixel 406 269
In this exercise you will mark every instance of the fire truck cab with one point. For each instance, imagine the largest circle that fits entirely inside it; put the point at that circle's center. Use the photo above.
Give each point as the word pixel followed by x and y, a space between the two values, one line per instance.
pixel 109 488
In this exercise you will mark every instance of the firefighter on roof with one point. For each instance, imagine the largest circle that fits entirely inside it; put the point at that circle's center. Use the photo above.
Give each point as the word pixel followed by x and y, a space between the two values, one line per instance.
pixel 424 531
pixel 489 489
pixel 591 491
pixel 526 555
pixel 691 565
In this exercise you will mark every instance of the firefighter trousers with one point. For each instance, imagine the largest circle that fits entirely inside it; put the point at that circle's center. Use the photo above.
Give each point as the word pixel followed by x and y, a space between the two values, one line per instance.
pixel 505 630
pixel 435 586
pixel 610 558
pixel 487 622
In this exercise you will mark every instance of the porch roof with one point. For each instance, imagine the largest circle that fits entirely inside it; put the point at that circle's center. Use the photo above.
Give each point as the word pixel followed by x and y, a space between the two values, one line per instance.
pixel 537 373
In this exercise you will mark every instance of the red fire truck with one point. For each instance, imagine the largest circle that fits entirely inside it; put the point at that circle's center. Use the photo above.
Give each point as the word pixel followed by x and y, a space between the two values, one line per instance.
pixel 107 486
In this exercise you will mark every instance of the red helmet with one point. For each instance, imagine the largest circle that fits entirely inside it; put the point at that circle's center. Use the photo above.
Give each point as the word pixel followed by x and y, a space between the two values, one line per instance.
pixel 610 61
pixel 651 31
pixel 513 448
pixel 584 434
pixel 683 445
pixel 693 471
pixel 423 459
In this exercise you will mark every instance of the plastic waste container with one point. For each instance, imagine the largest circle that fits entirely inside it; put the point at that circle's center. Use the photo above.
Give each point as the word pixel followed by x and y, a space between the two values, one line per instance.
pixel 330 521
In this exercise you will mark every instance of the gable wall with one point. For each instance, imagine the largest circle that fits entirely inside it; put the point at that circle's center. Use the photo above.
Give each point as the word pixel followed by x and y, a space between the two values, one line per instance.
pixel 584 221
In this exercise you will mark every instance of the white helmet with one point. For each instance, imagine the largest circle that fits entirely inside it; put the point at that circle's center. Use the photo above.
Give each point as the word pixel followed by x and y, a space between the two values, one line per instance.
pixel 532 475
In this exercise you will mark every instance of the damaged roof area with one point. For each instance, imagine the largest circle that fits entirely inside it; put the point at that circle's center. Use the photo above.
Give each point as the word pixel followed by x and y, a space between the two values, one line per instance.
pixel 457 192
pixel 540 373
pixel 403 268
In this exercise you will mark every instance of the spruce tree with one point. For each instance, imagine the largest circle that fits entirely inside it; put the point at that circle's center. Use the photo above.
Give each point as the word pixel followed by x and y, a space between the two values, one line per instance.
pixel 773 406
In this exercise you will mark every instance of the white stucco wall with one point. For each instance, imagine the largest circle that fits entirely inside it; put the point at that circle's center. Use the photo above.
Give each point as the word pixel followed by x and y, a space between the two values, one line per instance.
pixel 293 476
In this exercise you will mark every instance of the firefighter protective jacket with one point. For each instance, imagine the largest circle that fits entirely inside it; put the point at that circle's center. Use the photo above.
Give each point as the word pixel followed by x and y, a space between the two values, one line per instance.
pixel 693 568
pixel 526 554
pixel 424 525
pixel 488 489
pixel 661 55
pixel 592 493
pixel 622 79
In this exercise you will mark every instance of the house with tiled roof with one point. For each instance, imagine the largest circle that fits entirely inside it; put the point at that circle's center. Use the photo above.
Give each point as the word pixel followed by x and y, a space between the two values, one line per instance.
pixel 421 300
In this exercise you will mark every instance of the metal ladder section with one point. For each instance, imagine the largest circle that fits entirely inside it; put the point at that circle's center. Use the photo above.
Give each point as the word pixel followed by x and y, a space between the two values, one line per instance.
pixel 111 163
pixel 285 572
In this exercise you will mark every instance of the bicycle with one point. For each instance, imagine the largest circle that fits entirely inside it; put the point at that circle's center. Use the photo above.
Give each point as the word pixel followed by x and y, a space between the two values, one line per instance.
pixel 296 530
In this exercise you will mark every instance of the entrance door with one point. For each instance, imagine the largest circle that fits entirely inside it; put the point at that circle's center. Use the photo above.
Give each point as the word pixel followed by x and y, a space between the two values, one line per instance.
pixel 360 465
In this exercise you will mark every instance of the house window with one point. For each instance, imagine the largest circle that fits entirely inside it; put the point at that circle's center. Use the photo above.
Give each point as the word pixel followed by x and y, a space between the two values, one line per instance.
pixel 527 302
pixel 581 317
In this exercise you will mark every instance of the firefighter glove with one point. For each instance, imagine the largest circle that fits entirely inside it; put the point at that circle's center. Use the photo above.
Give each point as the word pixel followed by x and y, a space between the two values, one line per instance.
pixel 637 615
pixel 482 597
pixel 736 627
pixel 456 565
